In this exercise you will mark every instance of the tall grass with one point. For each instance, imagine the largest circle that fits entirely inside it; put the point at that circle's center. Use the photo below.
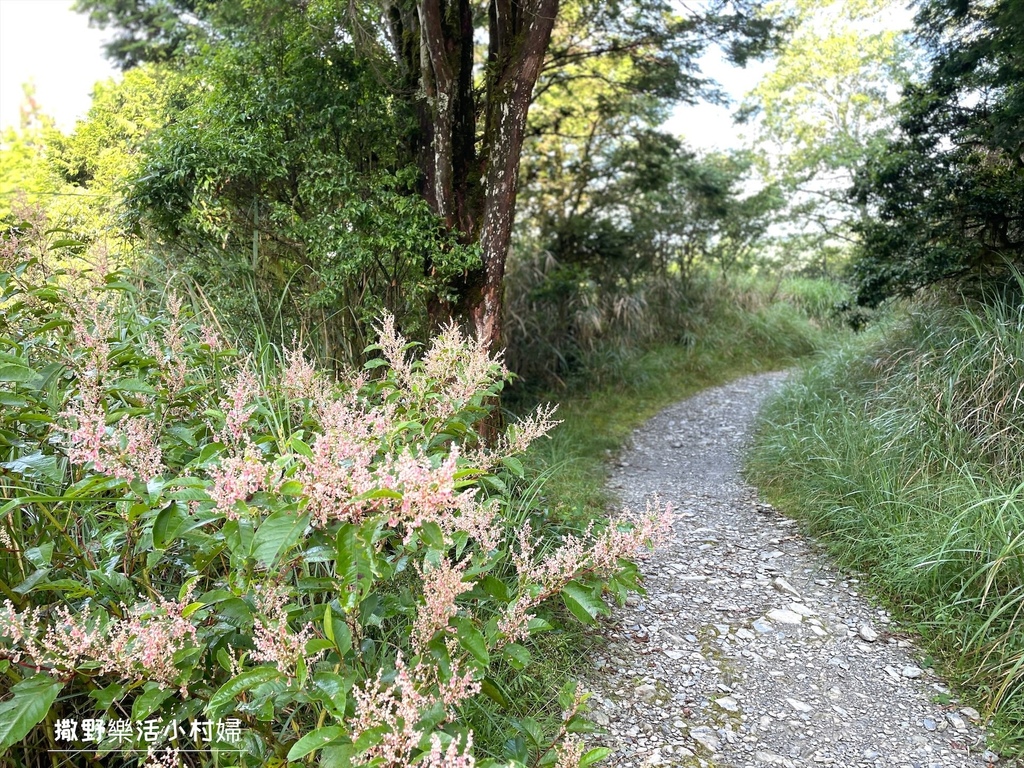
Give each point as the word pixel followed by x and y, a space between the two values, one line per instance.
pixel 716 332
pixel 904 452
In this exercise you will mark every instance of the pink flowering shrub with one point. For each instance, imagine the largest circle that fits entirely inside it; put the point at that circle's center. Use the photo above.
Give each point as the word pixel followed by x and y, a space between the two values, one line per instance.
pixel 342 566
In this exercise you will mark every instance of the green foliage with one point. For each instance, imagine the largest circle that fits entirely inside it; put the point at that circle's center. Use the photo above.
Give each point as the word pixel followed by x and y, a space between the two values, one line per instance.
pixel 338 567
pixel 155 31
pixel 628 374
pixel 824 108
pixel 24 174
pixel 97 160
pixel 903 452
pixel 282 190
pixel 947 189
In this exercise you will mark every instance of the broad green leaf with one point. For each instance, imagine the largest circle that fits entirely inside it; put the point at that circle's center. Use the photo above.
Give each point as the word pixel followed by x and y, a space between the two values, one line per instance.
pixel 593 756
pixel 14 368
pixel 134 385
pixel 318 739
pixel 26 708
pixel 33 579
pixel 106 696
pixel 490 689
pixel 352 567
pixel 471 639
pixel 582 603
pixel 225 696
pixel 166 525
pixel 337 756
pixel 335 690
pixel 517 655
pixel 35 465
pixel 150 701
pixel 432 535
pixel 277 534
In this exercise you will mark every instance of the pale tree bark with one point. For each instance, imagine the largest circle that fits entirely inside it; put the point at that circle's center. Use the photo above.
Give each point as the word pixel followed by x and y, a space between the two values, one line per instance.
pixel 471 134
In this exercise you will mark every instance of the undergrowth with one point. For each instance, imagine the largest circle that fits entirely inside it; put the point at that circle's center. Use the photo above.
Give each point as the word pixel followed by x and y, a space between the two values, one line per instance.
pixel 728 329
pixel 903 451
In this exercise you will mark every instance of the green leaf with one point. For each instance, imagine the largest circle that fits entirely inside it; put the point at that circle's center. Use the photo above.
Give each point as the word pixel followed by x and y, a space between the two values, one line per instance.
pixel 149 701
pixel 432 535
pixel 472 639
pixel 27 707
pixel 514 465
pixel 134 385
pixel 352 567
pixel 593 756
pixel 166 525
pixel 335 690
pixel 104 697
pixel 337 756
pixel 582 603
pixel 226 694
pixel 490 689
pixel 13 368
pixel 517 655
pixel 36 465
pixel 318 739
pixel 33 579
pixel 277 534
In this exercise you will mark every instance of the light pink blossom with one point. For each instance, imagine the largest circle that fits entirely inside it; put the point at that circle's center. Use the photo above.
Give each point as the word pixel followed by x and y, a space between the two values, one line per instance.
pixel 275 642
pixel 442 585
pixel 399 706
pixel 236 479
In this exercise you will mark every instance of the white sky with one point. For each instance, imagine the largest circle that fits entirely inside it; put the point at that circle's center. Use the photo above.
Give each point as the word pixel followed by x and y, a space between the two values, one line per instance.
pixel 43 40
pixel 46 42
pixel 708 126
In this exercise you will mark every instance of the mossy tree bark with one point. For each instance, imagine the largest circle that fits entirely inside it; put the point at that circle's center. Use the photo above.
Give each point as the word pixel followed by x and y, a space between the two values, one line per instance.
pixel 472 124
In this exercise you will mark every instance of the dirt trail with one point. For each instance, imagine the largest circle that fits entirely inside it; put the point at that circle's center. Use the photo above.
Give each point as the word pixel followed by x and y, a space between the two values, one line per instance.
pixel 750 649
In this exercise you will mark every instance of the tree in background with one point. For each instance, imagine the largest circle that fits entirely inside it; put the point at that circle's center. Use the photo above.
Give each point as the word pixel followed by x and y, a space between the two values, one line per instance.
pixel 282 185
pixel 948 191
pixel 826 107
pixel 469 101
pixel 24 174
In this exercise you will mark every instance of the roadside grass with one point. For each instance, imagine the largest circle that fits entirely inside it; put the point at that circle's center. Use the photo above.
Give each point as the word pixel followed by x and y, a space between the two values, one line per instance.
pixel 903 452
pixel 741 327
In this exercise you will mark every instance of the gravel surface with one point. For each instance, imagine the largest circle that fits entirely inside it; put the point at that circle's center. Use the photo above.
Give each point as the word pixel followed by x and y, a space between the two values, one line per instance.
pixel 750 649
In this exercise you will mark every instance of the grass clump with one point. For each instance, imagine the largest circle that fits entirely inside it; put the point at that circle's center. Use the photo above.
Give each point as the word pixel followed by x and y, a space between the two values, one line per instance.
pixel 904 452
pixel 717 332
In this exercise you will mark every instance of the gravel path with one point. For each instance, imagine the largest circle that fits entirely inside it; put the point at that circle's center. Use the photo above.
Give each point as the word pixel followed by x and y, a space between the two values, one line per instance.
pixel 750 649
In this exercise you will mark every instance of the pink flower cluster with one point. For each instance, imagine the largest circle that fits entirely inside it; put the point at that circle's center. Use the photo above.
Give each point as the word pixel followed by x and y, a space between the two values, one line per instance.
pixel 170 354
pixel 341 468
pixel 127 450
pixel 542 575
pixel 139 646
pixel 438 757
pixel 238 406
pixel 93 323
pixel 570 752
pixel 442 585
pixel 346 467
pixel 300 379
pixel 145 641
pixel 236 479
pixel 399 706
pixel 275 642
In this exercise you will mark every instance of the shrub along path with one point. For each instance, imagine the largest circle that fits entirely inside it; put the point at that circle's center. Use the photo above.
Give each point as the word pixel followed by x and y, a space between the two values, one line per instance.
pixel 749 648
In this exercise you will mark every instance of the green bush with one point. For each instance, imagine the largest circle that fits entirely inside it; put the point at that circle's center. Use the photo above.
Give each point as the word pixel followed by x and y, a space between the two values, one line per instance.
pixel 306 568
pixel 904 452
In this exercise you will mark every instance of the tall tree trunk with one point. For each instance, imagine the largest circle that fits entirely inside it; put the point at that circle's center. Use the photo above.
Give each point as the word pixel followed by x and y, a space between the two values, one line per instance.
pixel 473 190
pixel 519 36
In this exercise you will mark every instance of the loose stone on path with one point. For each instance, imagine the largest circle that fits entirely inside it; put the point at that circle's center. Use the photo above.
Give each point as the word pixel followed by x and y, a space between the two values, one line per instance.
pixel 756 651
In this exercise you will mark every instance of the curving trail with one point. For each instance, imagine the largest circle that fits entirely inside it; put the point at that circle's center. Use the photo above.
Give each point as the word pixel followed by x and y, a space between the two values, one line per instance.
pixel 749 648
